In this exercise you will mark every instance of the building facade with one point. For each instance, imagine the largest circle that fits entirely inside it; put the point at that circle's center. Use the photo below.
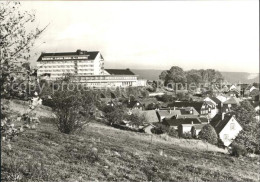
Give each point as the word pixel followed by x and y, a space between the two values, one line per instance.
pixel 86 68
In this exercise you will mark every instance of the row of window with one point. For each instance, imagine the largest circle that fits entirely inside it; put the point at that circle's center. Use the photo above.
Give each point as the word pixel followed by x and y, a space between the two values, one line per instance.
pixel 67 70
pixel 86 69
pixel 85 65
pixel 60 58
pixel 82 74
pixel 61 62
pixel 57 74
pixel 67 66
pixel 106 78
pixel 126 83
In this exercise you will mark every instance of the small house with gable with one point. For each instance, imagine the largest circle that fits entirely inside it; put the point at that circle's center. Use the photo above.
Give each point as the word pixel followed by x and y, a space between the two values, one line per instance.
pixel 227 127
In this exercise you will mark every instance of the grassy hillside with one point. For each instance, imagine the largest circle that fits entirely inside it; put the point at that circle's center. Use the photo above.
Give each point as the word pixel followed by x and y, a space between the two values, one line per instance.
pixel 104 153
pixel 232 77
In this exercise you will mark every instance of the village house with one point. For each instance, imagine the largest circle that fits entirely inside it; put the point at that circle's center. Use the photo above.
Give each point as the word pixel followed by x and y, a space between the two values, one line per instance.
pixel 254 94
pixel 252 88
pixel 232 87
pixel 188 111
pixel 255 104
pixel 195 129
pixel 135 104
pixel 203 108
pixel 225 88
pixel 229 104
pixel 227 127
pixel 233 93
pixel 111 103
pixel 175 123
pixel 243 89
pixel 222 98
pixel 214 100
pixel 216 103
pixel 167 113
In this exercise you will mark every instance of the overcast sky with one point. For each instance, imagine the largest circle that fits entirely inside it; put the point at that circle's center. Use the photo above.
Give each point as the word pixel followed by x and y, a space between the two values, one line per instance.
pixel 222 35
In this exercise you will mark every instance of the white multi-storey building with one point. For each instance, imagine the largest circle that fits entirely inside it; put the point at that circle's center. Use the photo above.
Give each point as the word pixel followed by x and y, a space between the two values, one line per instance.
pixel 79 63
pixel 86 67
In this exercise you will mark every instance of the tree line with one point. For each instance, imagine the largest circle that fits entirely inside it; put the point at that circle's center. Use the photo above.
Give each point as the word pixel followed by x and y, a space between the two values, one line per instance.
pixel 177 75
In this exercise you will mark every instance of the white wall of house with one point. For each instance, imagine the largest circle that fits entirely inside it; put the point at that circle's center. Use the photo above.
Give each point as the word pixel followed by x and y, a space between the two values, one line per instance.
pixel 197 131
pixel 186 128
pixel 213 113
pixel 230 131
pixel 232 87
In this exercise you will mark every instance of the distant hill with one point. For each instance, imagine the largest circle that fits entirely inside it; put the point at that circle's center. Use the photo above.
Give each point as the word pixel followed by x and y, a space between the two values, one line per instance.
pixel 243 77
pixel 232 77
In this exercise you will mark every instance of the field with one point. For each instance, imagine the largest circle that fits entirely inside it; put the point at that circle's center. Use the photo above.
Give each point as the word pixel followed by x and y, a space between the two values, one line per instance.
pixel 102 153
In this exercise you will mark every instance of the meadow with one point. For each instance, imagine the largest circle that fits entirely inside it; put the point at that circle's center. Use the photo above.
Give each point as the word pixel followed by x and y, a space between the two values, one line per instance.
pixel 103 153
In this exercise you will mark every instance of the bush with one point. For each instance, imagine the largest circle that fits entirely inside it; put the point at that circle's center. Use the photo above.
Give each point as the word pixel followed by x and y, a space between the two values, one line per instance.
pixel 187 135
pixel 160 129
pixel 238 150
pixel 208 134
pixel 165 98
pixel 220 143
pixel 72 109
pixel 48 102
pixel 115 116
pixel 107 109
pixel 172 132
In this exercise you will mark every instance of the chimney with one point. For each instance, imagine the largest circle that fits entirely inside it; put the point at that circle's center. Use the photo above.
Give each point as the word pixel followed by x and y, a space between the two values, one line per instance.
pixel 223 115
pixel 191 122
pixel 174 108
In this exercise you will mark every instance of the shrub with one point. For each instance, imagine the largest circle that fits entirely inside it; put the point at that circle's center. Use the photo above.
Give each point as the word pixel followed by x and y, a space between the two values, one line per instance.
pixel 151 106
pixel 172 132
pixel 48 102
pixel 136 119
pixel 72 109
pixel 238 150
pixel 187 135
pixel 116 115
pixel 165 98
pixel 107 109
pixel 160 129
pixel 208 134
pixel 220 143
